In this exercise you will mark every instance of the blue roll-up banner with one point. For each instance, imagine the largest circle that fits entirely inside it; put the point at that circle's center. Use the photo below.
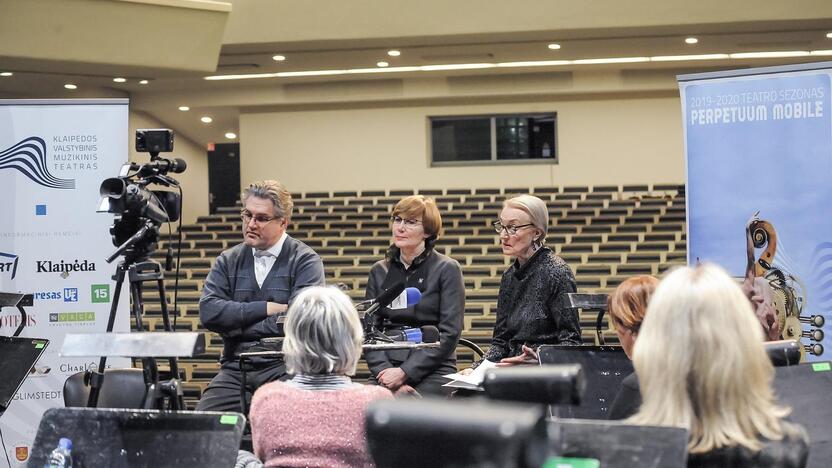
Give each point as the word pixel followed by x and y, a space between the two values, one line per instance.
pixel 759 142
pixel 53 157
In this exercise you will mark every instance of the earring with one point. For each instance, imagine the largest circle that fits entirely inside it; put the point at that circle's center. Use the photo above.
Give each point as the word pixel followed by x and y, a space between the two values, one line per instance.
pixel 537 244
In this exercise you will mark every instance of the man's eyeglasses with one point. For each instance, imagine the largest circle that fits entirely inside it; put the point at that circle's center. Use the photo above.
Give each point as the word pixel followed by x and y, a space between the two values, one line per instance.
pixel 260 220
pixel 510 230
pixel 407 223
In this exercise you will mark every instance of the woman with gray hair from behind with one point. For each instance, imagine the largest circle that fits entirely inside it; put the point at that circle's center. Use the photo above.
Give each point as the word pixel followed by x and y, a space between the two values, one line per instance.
pixel 317 417
pixel 532 306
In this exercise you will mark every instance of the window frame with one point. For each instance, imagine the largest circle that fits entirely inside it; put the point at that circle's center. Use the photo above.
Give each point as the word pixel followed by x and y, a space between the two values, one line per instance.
pixel 493 161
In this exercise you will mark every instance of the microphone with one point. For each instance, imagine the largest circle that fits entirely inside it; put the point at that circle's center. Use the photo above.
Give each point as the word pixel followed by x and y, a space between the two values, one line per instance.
pixel 161 166
pixel 385 298
pixel 425 334
pixel 408 338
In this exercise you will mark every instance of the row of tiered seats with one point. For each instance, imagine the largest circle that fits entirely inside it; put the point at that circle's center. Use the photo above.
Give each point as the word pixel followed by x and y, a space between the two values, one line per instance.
pixel 606 234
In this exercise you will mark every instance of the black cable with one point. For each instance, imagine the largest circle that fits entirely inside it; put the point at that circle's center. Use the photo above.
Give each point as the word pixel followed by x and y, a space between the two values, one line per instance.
pixel 5 450
pixel 178 260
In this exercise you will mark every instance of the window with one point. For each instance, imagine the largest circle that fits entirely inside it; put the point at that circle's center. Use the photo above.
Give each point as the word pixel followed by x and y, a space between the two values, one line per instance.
pixel 493 139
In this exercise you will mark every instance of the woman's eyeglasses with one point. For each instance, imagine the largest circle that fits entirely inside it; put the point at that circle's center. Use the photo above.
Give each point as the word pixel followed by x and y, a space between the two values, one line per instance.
pixel 510 230
pixel 407 223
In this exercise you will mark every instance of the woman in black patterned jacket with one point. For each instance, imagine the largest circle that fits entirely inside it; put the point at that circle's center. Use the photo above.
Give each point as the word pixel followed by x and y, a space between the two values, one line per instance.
pixel 532 307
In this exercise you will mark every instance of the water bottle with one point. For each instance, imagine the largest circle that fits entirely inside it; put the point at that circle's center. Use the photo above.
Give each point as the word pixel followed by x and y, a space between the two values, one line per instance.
pixel 61 457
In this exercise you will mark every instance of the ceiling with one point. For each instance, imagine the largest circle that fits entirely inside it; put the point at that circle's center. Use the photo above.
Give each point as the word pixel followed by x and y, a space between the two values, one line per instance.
pixel 168 87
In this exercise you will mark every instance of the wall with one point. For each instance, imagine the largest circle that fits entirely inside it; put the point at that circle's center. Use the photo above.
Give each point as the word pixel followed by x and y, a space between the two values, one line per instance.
pixel 630 140
pixel 194 180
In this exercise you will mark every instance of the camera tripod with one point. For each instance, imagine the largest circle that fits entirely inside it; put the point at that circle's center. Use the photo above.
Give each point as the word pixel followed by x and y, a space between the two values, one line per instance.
pixel 138 269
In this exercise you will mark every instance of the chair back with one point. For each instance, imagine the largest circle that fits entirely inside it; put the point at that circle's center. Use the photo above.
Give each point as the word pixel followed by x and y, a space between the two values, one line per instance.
pixel 121 388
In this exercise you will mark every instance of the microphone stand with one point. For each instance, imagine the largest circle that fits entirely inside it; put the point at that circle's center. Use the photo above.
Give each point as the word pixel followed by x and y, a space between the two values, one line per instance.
pixel 371 333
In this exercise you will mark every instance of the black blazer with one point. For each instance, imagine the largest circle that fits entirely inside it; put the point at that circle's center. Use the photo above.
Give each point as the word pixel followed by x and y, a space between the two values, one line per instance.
pixel 628 400
pixel 439 278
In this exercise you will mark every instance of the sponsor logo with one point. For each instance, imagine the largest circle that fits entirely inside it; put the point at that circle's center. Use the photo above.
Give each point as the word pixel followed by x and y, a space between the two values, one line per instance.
pixel 29 158
pixel 8 264
pixel 21 453
pixel 68 368
pixel 67 295
pixel 42 395
pixel 71 317
pixel 12 319
pixel 70 294
pixel 64 267
pixel 40 210
pixel 100 293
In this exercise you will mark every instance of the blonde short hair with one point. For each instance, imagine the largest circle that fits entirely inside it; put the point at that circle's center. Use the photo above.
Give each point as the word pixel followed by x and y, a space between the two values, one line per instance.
pixel 274 191
pixel 419 205
pixel 323 333
pixel 701 365
pixel 535 208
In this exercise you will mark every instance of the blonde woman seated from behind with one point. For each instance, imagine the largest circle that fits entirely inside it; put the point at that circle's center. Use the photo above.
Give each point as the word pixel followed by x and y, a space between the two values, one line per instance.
pixel 701 365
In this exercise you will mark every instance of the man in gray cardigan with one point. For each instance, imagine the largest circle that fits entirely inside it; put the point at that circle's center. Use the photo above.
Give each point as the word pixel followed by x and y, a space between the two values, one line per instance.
pixel 249 290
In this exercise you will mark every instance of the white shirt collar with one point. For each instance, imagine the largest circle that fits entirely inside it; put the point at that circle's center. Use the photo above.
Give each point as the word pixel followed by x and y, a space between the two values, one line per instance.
pixel 277 247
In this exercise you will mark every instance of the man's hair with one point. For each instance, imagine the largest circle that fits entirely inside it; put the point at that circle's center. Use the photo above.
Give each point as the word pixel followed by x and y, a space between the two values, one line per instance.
pixel 274 191
pixel 323 333
pixel 701 364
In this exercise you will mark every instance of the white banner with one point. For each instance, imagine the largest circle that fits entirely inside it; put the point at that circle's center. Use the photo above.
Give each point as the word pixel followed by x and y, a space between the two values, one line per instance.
pixel 53 157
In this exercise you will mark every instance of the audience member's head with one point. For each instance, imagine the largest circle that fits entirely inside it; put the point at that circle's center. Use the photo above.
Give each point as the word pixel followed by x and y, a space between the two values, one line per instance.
pixel 627 306
pixel 323 333
pixel 701 364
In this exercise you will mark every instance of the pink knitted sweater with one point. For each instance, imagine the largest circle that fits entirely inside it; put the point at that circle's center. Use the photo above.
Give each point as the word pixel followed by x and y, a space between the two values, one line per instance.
pixel 312 428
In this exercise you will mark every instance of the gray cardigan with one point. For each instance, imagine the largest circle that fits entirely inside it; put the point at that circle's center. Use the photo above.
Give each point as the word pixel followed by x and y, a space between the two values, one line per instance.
pixel 233 305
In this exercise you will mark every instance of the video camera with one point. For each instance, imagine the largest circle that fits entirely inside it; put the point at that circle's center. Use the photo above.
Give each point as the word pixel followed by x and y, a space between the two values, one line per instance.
pixel 140 211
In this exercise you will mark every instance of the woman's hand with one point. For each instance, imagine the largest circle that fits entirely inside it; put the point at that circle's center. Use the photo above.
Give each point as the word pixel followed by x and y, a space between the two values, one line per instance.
pixel 529 356
pixel 466 371
pixel 392 378
pixel 407 391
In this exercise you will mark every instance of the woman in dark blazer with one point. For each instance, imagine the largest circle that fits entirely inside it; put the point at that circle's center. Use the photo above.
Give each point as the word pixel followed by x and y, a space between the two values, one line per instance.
pixel 411 259
pixel 532 306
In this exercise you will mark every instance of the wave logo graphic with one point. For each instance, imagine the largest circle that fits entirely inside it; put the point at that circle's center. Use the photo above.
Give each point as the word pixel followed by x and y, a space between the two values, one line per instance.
pixel 29 158
pixel 822 273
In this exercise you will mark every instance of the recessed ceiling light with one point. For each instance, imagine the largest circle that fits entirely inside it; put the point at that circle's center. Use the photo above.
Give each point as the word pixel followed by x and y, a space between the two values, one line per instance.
pixel 184 108
pixel 6 74
pixel 70 86
pixel 829 35
pixel 144 82
pixel 206 119
pixel 383 64
pixel 393 53
pixel 230 135
pixel 554 46
pixel 691 40
pixel 120 79
pixel 278 58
